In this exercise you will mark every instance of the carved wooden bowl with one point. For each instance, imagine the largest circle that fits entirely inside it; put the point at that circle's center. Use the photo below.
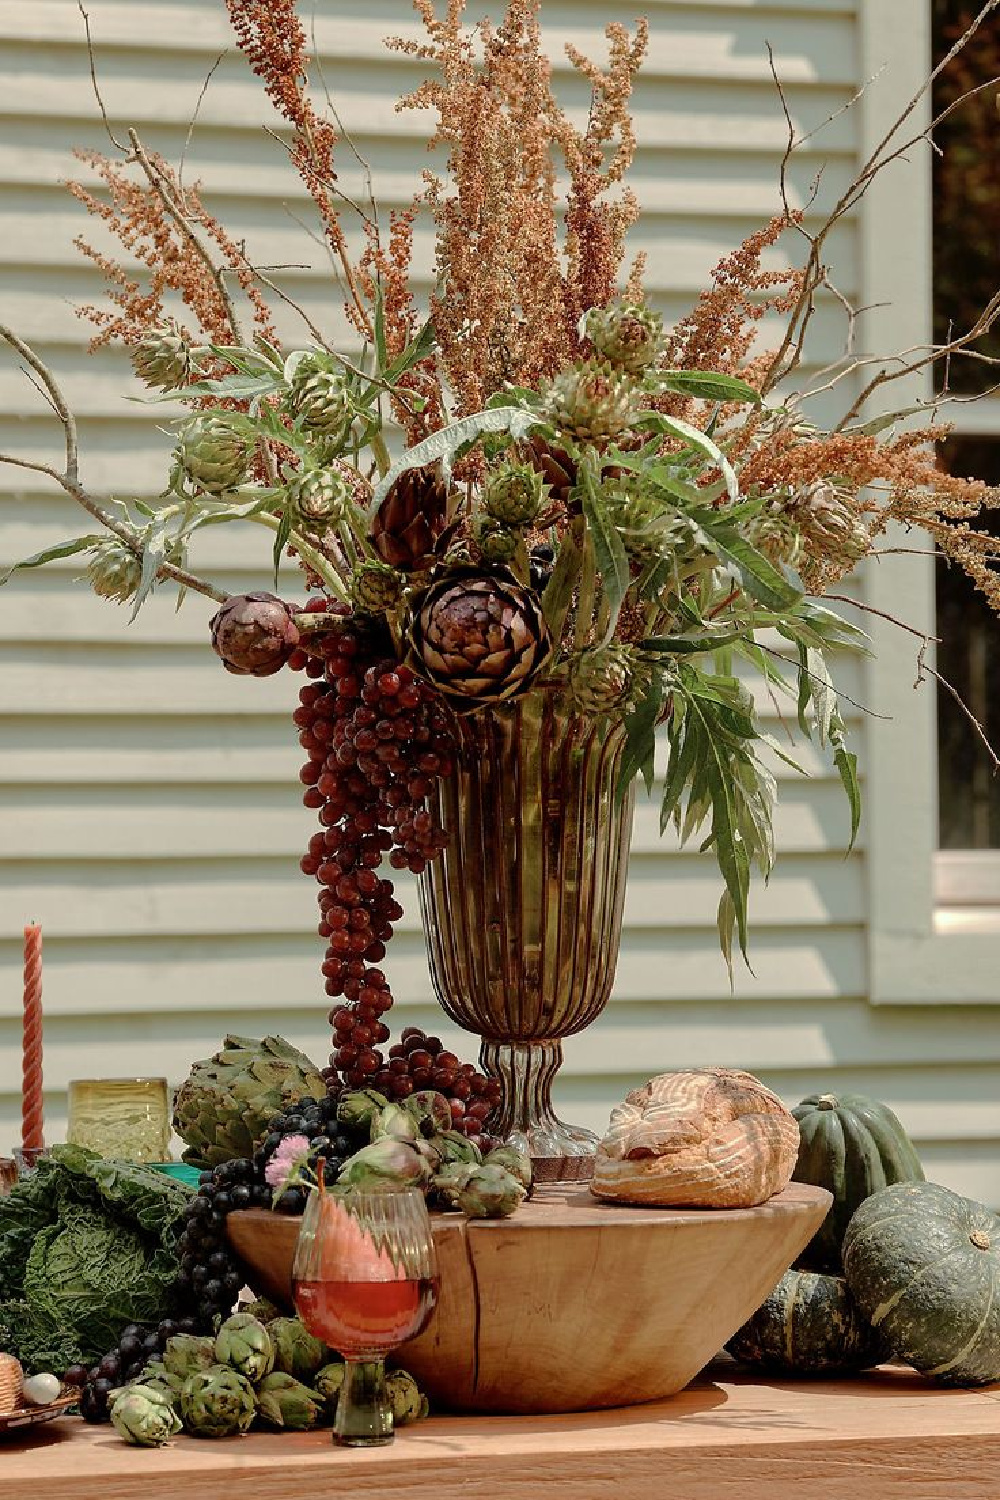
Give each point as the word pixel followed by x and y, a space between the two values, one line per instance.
pixel 574 1304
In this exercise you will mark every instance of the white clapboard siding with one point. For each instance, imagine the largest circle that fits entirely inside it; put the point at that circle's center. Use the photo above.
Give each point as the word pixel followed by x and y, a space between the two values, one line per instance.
pixel 149 810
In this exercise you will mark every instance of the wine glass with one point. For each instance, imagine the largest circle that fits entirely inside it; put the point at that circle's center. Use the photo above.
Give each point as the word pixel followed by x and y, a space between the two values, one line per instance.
pixel 365 1280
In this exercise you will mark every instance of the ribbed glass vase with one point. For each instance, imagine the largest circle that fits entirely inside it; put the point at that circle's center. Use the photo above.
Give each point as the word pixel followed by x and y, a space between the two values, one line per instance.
pixel 523 911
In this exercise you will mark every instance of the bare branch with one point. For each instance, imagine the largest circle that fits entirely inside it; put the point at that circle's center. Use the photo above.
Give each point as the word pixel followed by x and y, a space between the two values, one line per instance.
pixel 869 609
pixel 924 669
pixel 93 78
pixel 194 118
pixel 58 401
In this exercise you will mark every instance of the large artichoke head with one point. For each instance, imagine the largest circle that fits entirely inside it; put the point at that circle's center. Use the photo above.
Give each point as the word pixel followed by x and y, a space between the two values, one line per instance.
pixel 217 1402
pixel 222 1110
pixel 144 1416
pixel 245 1344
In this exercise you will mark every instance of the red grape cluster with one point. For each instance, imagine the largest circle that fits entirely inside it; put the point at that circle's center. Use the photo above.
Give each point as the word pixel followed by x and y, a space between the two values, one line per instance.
pixel 377 738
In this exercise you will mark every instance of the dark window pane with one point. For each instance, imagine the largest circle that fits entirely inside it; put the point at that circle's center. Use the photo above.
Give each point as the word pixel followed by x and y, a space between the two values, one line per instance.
pixel 969 657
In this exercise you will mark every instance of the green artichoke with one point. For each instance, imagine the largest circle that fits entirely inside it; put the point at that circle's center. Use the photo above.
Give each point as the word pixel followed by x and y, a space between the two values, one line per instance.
pixel 517 1162
pixel 222 1110
pixel 320 397
pixel 451 1146
pixel 592 401
pixel 318 498
pixel 155 1376
pixel 328 1383
pixel 245 1345
pixel 496 543
pixel 264 1311
pixel 408 1404
pixel 283 1401
pixel 144 1416
pixel 357 1109
pixel 385 1163
pixel 114 571
pixel 296 1352
pixel 600 679
pixel 491 1192
pixel 376 587
pixel 627 335
pixel 213 454
pixel 431 1111
pixel 187 1352
pixel 217 1402
pixel 164 359
pixel 513 495
pixel 394 1123
pixel 450 1180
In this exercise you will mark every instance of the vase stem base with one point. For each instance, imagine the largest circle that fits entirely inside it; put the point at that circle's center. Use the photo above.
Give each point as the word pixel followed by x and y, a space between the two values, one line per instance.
pixel 559 1152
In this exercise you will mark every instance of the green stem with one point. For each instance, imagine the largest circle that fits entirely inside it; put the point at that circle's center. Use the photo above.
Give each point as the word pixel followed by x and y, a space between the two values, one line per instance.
pixel 381 452
pixel 585 597
pixel 308 554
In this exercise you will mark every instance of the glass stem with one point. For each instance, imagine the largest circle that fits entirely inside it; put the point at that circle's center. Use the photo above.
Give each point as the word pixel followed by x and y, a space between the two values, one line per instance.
pixel 364 1416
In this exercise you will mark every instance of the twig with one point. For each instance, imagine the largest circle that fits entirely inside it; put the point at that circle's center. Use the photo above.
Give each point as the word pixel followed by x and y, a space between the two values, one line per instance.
pixel 176 211
pixel 69 478
pixel 194 118
pixel 93 78
pixel 871 713
pixel 925 669
pixel 869 609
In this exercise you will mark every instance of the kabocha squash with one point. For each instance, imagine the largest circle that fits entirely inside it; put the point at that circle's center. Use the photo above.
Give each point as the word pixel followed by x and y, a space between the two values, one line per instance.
pixel 809 1325
pixel 923 1265
pixel 853 1147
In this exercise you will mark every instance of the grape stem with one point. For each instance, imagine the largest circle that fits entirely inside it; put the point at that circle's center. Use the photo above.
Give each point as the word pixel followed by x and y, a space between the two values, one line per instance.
pixel 69 477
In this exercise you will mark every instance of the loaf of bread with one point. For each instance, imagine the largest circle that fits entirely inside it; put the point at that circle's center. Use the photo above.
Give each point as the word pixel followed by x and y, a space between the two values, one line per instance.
pixel 707 1138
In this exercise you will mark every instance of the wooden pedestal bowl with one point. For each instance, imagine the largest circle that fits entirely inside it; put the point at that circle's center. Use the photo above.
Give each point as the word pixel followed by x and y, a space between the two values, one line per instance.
pixel 574 1304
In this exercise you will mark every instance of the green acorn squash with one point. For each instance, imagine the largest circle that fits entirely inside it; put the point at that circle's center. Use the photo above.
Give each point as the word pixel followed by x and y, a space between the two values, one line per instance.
pixel 853 1147
pixel 809 1325
pixel 923 1264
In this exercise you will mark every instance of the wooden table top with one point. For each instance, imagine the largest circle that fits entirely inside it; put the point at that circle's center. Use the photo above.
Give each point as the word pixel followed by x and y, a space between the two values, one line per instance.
pixel 727 1437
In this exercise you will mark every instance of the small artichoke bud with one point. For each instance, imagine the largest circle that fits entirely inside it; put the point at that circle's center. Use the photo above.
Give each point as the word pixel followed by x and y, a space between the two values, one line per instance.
pixel 451 1179
pixel 296 1352
pixel 430 1110
pixel 515 1160
pixel 164 359
pixel 187 1352
pixel 357 1109
pixel 625 334
pixel 254 634
pixel 213 454
pixel 600 679
pixel 497 544
pixel 404 1396
pixel 491 1192
pixel 144 1417
pixel 394 1122
pixel 244 1344
pixel 327 1382
pixel 452 1146
pixel 217 1402
pixel 285 1402
pixel 320 398
pixel 318 498
pixel 375 587
pixel 592 401
pixel 114 571
pixel 513 495
pixel 387 1163
pixel 155 1376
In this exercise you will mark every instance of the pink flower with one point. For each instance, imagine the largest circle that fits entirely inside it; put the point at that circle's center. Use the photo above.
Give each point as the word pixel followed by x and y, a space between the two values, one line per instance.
pixel 286 1154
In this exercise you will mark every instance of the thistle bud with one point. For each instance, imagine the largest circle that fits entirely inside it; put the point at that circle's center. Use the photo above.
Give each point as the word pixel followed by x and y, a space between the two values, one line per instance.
pixel 114 571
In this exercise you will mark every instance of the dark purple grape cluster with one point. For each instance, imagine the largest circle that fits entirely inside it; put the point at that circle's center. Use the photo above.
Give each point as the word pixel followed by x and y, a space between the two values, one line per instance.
pixel 135 1348
pixel 329 1138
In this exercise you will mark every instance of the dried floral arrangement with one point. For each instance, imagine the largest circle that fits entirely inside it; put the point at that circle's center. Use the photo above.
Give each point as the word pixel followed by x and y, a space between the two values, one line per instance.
pixel 588 502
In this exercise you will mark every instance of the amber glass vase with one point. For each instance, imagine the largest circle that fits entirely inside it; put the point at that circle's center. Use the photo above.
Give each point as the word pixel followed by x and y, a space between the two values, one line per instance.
pixel 523 910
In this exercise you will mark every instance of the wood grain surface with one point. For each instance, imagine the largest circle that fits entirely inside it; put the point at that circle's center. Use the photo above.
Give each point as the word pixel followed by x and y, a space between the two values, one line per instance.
pixel 573 1303
pixel 891 1436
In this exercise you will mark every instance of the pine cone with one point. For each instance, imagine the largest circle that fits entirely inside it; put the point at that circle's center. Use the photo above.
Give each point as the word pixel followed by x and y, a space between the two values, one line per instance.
pixel 626 335
pixel 375 587
pixel 320 398
pixel 480 638
pixel 254 634
pixel 410 519
pixel 591 401
pixel 513 494
pixel 318 498
pixel 555 466
pixel 163 359
pixel 213 455
pixel 599 680
pixel 114 571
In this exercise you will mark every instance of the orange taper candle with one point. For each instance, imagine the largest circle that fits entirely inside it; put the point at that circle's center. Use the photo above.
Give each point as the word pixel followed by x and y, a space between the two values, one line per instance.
pixel 32 1138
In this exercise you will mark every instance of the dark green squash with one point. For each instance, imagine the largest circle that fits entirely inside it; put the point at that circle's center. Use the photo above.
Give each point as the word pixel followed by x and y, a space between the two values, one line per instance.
pixel 809 1325
pixel 853 1147
pixel 923 1264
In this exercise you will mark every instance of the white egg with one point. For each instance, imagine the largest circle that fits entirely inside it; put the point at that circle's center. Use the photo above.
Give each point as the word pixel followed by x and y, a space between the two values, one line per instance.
pixel 41 1389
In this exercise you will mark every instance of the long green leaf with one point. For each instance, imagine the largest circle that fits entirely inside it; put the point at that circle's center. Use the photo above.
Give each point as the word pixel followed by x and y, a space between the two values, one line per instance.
pixel 640 742
pixel 156 543
pixel 281 536
pixel 706 385
pixel 847 764
pixel 609 550
pixel 691 643
pixel 695 438
pixel 50 554
pixel 557 596
pixel 755 575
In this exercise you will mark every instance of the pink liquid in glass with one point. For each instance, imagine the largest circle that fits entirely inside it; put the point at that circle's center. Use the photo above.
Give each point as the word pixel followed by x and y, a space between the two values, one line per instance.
pixel 365 1317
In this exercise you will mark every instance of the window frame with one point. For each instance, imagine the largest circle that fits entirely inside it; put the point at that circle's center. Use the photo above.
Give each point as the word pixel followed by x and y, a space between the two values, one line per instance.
pixel 921 951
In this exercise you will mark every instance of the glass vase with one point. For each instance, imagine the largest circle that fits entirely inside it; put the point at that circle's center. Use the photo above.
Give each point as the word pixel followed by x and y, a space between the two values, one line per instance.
pixel 523 911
